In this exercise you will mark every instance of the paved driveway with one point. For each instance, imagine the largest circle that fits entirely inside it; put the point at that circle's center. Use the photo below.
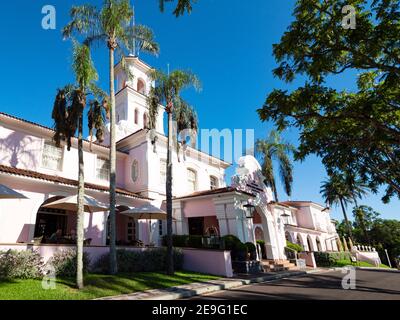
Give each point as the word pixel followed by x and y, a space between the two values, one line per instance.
pixel 370 284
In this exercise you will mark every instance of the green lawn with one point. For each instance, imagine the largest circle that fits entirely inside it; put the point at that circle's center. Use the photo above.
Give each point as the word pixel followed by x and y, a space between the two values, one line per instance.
pixel 96 286
pixel 343 263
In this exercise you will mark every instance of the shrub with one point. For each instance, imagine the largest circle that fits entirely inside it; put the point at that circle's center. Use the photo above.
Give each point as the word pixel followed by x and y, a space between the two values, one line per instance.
pixel 251 248
pixel 151 260
pixel 294 246
pixel 179 241
pixel 240 252
pixel 195 242
pixel 25 264
pixel 64 263
pixel 262 245
pixel 231 242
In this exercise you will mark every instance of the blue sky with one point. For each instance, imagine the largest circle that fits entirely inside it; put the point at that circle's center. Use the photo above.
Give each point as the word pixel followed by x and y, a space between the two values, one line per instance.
pixel 227 43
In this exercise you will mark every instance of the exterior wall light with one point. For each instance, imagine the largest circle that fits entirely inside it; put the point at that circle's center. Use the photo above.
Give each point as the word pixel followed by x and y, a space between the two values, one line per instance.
pixel 250 210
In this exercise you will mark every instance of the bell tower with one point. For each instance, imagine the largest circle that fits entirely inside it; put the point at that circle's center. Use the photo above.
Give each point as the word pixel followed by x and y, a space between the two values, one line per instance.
pixel 132 113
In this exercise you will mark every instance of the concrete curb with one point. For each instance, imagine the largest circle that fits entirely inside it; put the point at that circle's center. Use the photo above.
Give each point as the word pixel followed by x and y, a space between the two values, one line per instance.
pixel 195 289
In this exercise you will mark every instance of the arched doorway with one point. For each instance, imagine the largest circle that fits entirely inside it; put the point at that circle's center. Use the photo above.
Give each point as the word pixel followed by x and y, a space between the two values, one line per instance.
pixel 51 221
pixel 259 233
pixel 288 236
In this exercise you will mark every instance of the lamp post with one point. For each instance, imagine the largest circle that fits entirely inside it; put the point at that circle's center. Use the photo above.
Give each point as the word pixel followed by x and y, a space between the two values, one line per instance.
pixel 250 210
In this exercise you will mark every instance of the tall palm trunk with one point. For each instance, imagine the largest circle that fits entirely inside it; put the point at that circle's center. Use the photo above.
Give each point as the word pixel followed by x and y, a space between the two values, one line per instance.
pixel 113 249
pixel 80 213
pixel 346 220
pixel 170 257
pixel 275 191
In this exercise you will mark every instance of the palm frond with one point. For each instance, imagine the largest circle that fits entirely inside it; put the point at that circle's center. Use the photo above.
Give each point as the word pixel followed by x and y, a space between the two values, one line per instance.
pixel 85 19
pixel 83 66
pixel 181 7
pixel 139 38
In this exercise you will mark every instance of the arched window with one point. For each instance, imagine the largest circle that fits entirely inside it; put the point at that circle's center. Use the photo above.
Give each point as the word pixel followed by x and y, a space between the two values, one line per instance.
pixel 192 180
pixel 213 183
pixel 141 87
pixel 136 116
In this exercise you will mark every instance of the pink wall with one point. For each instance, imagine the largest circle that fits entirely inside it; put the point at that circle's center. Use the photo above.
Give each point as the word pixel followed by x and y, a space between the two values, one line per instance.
pixel 208 261
pixel 304 218
pixel 310 259
pixel 199 208
pixel 23 147
pixel 204 261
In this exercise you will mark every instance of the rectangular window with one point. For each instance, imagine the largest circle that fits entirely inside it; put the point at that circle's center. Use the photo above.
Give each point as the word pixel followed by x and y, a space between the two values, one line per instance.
pixel 131 230
pixel 52 156
pixel 192 180
pixel 103 169
pixel 163 172
pixel 213 183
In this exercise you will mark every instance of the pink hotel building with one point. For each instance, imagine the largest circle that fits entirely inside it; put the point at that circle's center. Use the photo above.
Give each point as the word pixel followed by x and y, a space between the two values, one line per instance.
pixel 203 204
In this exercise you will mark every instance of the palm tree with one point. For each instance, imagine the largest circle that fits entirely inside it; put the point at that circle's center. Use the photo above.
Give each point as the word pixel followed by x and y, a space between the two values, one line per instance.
pixel 167 92
pixel 110 25
pixel 68 118
pixel 335 190
pixel 275 149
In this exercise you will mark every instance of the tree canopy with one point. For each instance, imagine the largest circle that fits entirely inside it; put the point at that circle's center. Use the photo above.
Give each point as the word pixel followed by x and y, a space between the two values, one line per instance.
pixel 355 131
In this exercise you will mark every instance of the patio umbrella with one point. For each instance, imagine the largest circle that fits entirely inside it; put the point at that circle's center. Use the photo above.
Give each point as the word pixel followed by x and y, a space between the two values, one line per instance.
pixel 71 204
pixel 7 193
pixel 148 212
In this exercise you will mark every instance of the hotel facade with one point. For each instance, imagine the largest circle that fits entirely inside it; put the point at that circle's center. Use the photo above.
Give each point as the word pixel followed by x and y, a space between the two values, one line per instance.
pixel 204 203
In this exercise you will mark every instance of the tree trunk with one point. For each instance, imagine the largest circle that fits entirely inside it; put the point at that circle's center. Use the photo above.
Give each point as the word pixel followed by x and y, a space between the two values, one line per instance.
pixel 113 147
pixel 346 220
pixel 80 213
pixel 275 191
pixel 170 257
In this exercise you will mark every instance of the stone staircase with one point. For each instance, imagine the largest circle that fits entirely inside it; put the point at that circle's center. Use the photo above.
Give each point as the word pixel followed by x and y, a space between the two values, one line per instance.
pixel 277 265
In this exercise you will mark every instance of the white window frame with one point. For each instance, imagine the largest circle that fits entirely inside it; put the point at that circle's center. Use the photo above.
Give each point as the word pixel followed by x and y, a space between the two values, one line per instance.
pixel 98 169
pixel 216 180
pixel 60 160
pixel 163 172
pixel 190 182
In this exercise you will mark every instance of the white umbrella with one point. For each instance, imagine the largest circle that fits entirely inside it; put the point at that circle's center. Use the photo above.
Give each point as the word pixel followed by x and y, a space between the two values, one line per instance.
pixel 71 203
pixel 148 212
pixel 7 193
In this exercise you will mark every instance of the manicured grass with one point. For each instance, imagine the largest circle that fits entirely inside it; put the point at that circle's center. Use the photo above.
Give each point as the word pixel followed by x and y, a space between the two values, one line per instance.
pixel 343 263
pixel 96 286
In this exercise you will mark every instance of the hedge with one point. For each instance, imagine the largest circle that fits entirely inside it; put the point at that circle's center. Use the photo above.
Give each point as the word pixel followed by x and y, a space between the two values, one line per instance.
pixel 329 259
pixel 151 260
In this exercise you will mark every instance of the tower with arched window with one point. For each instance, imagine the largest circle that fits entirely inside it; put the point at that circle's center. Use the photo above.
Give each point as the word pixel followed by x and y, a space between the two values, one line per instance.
pixel 132 113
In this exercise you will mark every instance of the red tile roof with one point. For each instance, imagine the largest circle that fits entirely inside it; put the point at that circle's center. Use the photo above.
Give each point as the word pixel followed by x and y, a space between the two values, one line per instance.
pixel 214 192
pixel 57 179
